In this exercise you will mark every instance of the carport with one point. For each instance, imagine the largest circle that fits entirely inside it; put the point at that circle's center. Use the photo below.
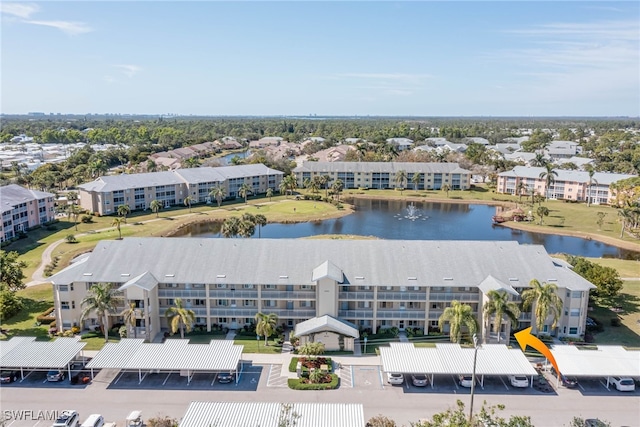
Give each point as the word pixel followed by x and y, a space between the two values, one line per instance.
pixel 272 414
pixel 493 359
pixel 606 361
pixel 174 355
pixel 27 353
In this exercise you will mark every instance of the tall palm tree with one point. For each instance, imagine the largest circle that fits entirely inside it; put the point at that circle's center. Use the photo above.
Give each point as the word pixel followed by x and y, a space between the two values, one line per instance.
pixel 592 180
pixel 415 179
pixel 266 325
pixel 75 211
pixel 100 300
pixel 123 211
pixel 361 150
pixel 230 227
pixel 180 317
pixel 315 184
pixel 188 200
pixel 292 182
pixel 191 162
pixel 260 220
pixel 246 227
pixel 117 222
pixel 521 189
pixel 324 182
pixel 244 191
pixel 446 188
pixel 337 188
pixel 151 166
pixel 549 176
pixel 155 206
pixel 539 160
pixel 545 300
pixel 458 315
pixel 269 193
pixel 219 193
pixel 129 316
pixel 283 187
pixel 500 306
pixel 542 211
pixel 401 179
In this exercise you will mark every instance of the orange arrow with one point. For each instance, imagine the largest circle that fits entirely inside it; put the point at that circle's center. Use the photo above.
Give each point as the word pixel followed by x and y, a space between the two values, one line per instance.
pixel 525 339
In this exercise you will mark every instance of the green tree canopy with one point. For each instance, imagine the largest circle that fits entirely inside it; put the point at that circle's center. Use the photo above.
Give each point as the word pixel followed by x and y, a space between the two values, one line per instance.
pixel 607 279
pixel 11 274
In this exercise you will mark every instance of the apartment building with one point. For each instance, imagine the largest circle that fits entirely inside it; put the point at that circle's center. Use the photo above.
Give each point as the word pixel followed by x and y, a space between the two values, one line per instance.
pixel 372 284
pixel 568 184
pixel 104 195
pixel 23 209
pixel 383 175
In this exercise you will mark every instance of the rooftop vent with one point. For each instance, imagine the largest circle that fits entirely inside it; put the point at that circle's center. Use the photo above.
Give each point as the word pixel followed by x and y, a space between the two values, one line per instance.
pixel 359 277
pixel 169 275
pixel 284 277
pixel 221 276
pixel 412 278
pixel 87 274
pixel 513 279
pixel 448 278
pixel 125 274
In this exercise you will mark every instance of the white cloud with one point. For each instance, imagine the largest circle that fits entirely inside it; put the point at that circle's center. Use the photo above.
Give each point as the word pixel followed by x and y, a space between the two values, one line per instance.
pixel 128 69
pixel 71 28
pixel 21 10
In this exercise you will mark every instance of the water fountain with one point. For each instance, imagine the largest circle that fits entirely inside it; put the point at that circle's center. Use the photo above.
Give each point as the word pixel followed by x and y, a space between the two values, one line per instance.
pixel 412 213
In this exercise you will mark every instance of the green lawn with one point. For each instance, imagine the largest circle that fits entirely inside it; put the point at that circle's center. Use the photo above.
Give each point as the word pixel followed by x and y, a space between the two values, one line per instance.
pixel 251 345
pixel 36 300
pixel 96 343
pixel 628 333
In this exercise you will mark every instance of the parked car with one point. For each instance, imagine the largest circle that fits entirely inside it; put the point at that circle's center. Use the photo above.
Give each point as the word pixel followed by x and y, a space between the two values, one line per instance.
pixel 8 376
pixel 623 384
pixel 519 381
pixel 569 382
pixel 419 380
pixel 55 375
pixel 594 422
pixel 226 377
pixel 395 379
pixel 465 380
pixel 134 419
pixel 68 418
pixel 94 420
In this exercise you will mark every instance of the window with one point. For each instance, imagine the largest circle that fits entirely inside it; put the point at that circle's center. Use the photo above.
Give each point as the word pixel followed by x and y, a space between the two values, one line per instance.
pixel 576 294
pixel 221 286
pixel 383 304
pixel 199 302
pixel 71 287
pixel 305 287
pixel 433 323
pixel 197 285
pixel 63 288
pixel 249 303
pixel 364 304
pixel 573 331
pixel 247 286
pixel 223 302
pixel 73 304
pixel 269 286
pixel 64 305
pixel 222 320
pixel 434 305
pixel 575 312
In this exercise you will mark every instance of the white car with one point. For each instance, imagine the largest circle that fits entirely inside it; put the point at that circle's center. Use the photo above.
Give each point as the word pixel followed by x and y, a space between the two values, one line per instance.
pixel 395 379
pixel 623 384
pixel 465 381
pixel 68 418
pixel 519 381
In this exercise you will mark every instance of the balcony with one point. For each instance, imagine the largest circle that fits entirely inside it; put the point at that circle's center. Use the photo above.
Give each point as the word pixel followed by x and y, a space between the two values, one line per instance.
pixel 402 296
pixel 234 294
pixel 182 293
pixel 400 314
pixel 525 316
pixel 233 312
pixel 356 314
pixel 289 295
pixel 364 295
pixel 450 296
pixel 297 313
pixel 199 311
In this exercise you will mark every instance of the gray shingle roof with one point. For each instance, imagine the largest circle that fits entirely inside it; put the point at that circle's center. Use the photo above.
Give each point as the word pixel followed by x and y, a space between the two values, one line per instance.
pixel 13 194
pixel 292 261
pixel 603 178
pixel 197 175
pixel 380 167
pixel 134 180
pixel 326 323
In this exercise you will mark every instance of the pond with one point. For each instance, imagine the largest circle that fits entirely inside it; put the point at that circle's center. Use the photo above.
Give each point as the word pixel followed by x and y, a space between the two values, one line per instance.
pixel 392 219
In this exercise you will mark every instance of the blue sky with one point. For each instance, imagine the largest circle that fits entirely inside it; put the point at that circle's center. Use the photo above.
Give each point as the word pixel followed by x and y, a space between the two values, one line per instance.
pixel 327 58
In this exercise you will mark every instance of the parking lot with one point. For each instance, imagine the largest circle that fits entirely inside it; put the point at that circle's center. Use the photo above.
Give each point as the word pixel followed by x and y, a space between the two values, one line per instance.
pixel 39 379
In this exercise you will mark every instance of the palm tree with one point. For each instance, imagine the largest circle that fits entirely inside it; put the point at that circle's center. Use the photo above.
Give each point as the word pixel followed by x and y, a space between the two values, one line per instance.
pixel 100 300
pixel 292 182
pixel 181 318
pixel 75 211
pixel 188 200
pixel 151 166
pixel 539 160
pixel 117 222
pixel 315 184
pixel 542 211
pixel 155 206
pixel 520 189
pixel 283 187
pixel 626 217
pixel 123 211
pixel 244 191
pixel 129 316
pixel 401 179
pixel 269 193
pixel 260 220
pixel 500 306
pixel 230 227
pixel 219 193
pixel 546 301
pixel 458 315
pixel 246 227
pixel 191 162
pixel 415 179
pixel 548 175
pixel 337 188
pixel 361 150
pixel 266 325
pixel 592 180
pixel 446 188
pixel 324 182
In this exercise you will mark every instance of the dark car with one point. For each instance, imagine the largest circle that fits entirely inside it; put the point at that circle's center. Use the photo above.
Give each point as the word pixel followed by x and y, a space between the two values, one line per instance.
pixel 226 377
pixel 8 376
pixel 55 375
pixel 569 382
pixel 594 422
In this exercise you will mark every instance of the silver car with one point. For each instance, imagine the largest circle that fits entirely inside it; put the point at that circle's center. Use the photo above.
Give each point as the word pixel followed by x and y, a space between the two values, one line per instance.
pixel 419 380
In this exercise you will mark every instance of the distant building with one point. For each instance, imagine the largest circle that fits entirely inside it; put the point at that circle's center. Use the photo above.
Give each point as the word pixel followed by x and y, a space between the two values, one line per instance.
pixel 104 195
pixel 383 175
pixel 23 209
pixel 403 144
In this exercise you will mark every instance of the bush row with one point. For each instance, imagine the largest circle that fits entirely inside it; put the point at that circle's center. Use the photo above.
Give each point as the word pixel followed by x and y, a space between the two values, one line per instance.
pixel 45 319
pixel 48 269
pixel 296 384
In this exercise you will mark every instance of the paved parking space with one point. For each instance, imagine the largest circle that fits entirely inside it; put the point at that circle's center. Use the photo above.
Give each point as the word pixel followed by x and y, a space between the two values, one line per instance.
pixel 366 377
pixel 39 379
pixel 598 387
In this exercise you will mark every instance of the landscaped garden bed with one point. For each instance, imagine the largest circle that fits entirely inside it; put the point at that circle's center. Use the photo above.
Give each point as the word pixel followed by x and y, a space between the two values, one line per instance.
pixel 309 363
pixel 324 382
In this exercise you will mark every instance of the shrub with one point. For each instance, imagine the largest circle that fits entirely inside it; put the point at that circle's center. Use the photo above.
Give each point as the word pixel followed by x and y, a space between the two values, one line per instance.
pixel 299 384
pixel 10 304
pixel 71 238
pixel 45 319
pixel 75 330
pixel 293 364
pixel 86 219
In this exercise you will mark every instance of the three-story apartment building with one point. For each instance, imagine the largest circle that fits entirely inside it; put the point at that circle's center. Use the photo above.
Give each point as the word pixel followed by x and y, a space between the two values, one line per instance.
pixel 104 195
pixel 23 209
pixel 380 175
pixel 372 284
pixel 568 184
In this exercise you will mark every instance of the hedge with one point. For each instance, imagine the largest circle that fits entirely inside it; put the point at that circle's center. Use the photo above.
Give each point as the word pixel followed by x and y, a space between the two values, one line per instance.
pixel 293 365
pixel 45 319
pixel 296 384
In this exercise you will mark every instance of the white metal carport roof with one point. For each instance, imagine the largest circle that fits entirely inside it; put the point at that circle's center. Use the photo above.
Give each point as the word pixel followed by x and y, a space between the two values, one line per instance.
pixel 172 355
pixel 606 361
pixel 26 352
pixel 263 414
pixel 493 359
